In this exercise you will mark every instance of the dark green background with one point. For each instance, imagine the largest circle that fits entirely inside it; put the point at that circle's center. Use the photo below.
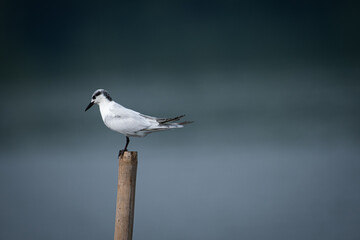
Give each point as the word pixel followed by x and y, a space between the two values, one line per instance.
pixel 273 88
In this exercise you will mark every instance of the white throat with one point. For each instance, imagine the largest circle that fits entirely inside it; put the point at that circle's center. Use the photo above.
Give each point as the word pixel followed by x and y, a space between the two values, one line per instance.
pixel 104 107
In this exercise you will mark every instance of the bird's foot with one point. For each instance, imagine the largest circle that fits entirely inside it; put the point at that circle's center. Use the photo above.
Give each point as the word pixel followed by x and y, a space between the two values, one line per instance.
pixel 121 152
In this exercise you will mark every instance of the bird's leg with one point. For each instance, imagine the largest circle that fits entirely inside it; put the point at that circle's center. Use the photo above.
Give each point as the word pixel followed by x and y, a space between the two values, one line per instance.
pixel 121 152
pixel 127 143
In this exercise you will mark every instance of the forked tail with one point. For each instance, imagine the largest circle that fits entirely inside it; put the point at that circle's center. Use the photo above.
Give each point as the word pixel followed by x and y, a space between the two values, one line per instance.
pixel 168 123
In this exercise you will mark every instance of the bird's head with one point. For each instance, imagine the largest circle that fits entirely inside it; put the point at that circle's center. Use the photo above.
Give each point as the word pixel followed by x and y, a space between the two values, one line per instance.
pixel 98 97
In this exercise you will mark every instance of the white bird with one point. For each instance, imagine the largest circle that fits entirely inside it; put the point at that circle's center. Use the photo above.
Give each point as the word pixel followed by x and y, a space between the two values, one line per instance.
pixel 127 121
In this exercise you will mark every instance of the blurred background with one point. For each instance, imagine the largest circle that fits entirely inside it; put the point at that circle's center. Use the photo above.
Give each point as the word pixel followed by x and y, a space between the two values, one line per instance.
pixel 273 88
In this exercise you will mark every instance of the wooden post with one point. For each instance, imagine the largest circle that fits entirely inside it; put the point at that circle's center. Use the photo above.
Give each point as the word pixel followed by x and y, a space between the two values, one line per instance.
pixel 125 201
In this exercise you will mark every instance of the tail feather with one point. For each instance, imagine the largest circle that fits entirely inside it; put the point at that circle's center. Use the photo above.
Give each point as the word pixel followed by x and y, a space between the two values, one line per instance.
pixel 164 124
pixel 186 122
pixel 167 120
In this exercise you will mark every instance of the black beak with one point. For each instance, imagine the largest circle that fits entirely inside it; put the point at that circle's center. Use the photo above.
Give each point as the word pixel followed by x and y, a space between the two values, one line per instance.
pixel 89 106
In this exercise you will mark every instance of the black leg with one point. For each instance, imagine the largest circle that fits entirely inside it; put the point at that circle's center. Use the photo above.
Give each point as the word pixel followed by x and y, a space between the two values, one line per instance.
pixel 127 143
pixel 121 152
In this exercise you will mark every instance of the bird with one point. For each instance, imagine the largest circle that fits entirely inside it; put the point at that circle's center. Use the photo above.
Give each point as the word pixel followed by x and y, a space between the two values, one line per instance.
pixel 129 122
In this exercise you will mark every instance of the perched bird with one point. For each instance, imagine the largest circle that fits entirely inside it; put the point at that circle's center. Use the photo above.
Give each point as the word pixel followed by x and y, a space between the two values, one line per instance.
pixel 129 122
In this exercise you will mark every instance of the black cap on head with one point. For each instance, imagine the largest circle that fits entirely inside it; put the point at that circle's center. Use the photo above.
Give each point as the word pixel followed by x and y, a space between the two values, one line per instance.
pixel 103 92
pixel 98 93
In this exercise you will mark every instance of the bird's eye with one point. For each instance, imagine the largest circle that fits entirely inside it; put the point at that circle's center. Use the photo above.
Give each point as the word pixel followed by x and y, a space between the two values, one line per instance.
pixel 93 97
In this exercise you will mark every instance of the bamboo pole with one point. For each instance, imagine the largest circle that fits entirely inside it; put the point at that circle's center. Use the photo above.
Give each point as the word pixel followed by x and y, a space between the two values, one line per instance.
pixel 125 201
